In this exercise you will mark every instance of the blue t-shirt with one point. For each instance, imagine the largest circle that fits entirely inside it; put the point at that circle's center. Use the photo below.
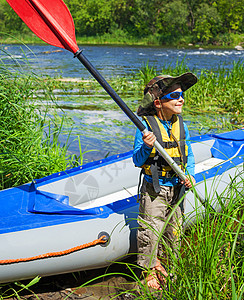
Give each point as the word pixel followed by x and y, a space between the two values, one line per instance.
pixel 142 152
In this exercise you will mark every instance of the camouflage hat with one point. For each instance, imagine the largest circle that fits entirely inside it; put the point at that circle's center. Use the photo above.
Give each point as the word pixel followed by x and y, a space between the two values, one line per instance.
pixel 158 85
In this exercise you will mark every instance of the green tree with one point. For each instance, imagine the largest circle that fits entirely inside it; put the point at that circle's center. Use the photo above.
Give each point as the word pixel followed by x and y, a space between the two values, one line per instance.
pixel 122 12
pixel 232 14
pixel 145 15
pixel 163 20
pixel 10 21
pixel 173 19
pixel 2 23
pixel 208 22
pixel 192 6
pixel 91 17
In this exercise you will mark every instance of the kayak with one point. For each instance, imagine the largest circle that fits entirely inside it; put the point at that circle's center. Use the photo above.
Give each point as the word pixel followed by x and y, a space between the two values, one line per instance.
pixel 86 217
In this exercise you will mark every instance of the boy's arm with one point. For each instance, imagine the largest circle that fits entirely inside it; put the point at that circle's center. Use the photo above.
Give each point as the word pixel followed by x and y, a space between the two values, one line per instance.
pixel 190 169
pixel 141 150
pixel 190 159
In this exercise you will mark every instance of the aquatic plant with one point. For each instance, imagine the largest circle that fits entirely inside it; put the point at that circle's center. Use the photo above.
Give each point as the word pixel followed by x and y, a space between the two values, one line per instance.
pixel 29 146
pixel 218 91
pixel 204 111
pixel 146 73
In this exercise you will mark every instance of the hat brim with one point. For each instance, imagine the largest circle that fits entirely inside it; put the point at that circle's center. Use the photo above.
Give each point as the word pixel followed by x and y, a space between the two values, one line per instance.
pixel 185 80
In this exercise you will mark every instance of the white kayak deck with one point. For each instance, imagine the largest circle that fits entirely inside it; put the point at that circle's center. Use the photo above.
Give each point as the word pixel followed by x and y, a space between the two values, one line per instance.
pixel 132 191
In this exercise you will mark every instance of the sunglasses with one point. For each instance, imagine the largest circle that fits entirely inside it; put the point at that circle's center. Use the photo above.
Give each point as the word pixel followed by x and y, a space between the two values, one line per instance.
pixel 173 95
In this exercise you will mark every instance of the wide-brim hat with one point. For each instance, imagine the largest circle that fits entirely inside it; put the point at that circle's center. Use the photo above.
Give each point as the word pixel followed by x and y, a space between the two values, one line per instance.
pixel 159 84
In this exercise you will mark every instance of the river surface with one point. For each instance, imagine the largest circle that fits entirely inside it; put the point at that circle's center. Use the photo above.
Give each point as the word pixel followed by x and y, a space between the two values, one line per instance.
pixel 114 60
pixel 108 132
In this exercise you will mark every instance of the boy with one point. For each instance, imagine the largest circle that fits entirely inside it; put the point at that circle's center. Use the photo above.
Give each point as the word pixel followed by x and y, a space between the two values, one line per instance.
pixel 161 108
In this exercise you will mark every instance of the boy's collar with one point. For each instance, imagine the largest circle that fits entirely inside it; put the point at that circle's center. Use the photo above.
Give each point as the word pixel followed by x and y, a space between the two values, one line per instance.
pixel 171 120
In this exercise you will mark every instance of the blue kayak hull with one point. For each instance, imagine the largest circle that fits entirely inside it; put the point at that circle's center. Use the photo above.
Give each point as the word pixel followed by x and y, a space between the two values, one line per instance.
pixel 75 207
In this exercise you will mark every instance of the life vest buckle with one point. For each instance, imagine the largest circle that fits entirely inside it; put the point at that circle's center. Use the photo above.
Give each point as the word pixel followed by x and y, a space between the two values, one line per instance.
pixel 169 174
pixel 170 144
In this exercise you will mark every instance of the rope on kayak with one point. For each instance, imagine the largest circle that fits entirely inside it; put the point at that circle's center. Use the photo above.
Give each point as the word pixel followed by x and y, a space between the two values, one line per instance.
pixel 100 240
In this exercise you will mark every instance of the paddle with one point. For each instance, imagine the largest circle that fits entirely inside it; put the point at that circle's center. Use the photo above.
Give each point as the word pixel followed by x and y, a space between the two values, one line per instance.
pixel 52 22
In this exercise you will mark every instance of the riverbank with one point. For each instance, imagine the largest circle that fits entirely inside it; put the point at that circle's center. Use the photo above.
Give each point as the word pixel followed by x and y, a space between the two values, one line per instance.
pixel 105 283
pixel 229 42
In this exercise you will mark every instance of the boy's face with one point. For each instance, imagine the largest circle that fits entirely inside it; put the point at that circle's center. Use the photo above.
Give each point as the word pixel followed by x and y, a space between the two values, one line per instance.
pixel 170 106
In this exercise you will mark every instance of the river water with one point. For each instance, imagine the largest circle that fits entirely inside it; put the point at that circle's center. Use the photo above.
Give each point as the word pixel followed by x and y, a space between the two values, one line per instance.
pixel 114 60
pixel 106 132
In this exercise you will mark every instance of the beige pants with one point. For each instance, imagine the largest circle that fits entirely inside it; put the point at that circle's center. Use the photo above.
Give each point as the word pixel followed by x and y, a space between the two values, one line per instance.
pixel 152 240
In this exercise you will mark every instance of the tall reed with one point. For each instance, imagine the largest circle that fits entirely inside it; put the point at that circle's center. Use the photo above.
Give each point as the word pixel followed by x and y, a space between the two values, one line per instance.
pixel 210 263
pixel 217 91
pixel 29 137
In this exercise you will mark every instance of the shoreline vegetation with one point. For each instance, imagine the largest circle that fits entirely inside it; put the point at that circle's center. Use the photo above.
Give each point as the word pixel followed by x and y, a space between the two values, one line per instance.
pixel 236 41
pixel 175 23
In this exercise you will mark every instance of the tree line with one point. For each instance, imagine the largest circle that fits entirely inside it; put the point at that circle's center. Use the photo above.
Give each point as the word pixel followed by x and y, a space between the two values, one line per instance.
pixel 205 21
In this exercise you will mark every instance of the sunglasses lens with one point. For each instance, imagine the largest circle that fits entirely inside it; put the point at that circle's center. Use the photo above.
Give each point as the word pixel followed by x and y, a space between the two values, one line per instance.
pixel 175 95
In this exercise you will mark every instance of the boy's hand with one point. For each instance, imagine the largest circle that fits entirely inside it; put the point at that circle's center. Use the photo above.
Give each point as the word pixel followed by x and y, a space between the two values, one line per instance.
pixel 149 139
pixel 189 182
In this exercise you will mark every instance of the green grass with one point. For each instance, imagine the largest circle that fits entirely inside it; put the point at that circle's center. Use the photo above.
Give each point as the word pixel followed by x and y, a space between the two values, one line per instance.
pixel 119 37
pixel 218 92
pixel 29 146
pixel 210 264
pixel 14 290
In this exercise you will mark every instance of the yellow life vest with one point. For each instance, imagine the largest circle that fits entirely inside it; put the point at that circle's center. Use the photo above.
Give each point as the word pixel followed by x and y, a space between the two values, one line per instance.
pixel 155 161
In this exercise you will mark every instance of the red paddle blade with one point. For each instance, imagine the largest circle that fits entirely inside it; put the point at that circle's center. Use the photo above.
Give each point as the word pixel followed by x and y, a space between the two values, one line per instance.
pixel 50 20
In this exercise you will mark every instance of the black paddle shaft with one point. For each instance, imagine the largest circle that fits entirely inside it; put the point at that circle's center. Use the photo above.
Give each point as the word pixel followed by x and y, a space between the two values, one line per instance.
pixel 109 90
